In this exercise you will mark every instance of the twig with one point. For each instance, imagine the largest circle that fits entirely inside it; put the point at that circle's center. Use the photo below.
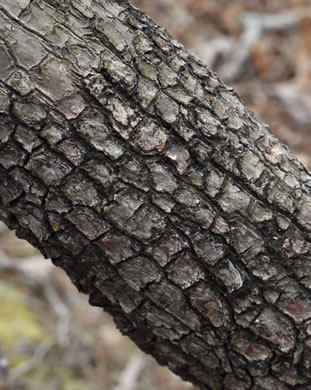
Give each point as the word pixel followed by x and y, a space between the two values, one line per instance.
pixel 254 24
pixel 36 360
pixel 62 312
pixel 4 372
pixel 129 377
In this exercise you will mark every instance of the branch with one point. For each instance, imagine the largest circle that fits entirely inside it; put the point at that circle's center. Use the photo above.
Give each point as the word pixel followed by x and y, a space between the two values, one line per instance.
pixel 254 25
pixel 136 170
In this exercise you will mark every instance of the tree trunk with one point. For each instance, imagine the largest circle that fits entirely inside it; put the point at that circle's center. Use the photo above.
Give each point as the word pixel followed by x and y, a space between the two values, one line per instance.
pixel 137 171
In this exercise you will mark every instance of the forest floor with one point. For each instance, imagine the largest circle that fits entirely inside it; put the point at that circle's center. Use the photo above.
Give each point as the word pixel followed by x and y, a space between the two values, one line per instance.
pixel 50 338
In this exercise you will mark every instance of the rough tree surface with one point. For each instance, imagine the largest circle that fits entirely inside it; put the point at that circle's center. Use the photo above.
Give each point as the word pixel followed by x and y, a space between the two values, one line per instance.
pixel 131 166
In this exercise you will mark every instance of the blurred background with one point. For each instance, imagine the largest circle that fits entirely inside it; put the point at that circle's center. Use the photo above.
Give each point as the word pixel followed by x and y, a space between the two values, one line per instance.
pixel 50 338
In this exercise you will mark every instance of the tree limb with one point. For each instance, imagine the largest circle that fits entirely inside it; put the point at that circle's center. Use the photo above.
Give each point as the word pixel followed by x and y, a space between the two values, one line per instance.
pixel 136 170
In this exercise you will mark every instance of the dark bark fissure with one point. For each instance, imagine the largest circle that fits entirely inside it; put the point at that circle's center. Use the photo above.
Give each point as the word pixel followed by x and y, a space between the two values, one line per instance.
pixel 137 171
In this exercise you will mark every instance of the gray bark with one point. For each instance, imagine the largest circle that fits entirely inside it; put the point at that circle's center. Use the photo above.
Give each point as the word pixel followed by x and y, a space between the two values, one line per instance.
pixel 137 171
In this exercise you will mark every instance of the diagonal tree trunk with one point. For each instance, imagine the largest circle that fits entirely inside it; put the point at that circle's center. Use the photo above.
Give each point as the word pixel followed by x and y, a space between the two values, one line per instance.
pixel 136 170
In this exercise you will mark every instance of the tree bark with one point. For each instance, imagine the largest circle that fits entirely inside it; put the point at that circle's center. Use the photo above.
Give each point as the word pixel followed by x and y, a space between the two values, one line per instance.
pixel 137 171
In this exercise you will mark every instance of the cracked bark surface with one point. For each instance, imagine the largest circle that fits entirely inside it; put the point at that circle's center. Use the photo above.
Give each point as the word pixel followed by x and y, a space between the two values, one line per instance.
pixel 137 171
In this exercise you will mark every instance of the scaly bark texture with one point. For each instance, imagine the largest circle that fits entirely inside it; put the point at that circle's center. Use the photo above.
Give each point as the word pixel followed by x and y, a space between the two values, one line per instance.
pixel 131 166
